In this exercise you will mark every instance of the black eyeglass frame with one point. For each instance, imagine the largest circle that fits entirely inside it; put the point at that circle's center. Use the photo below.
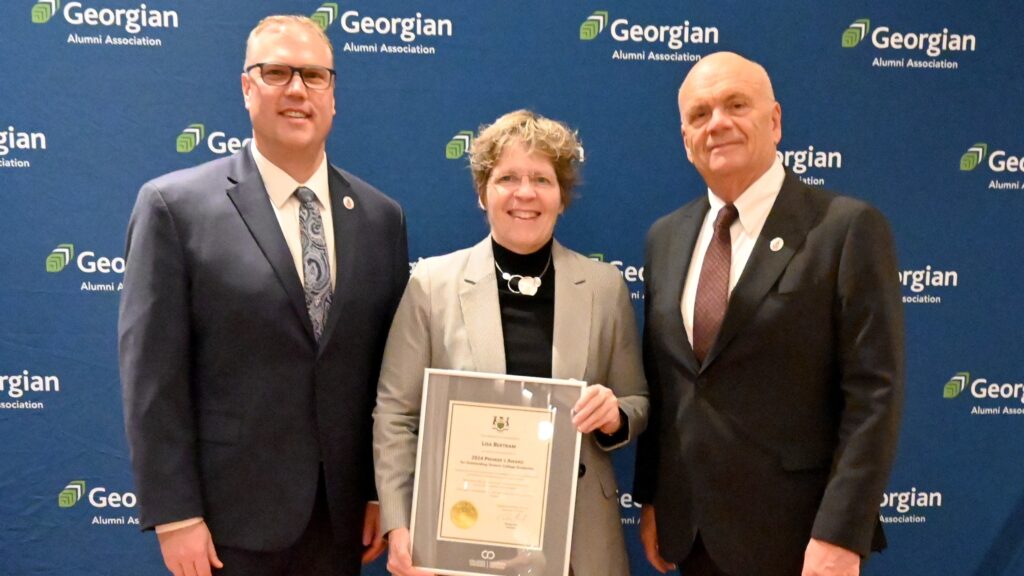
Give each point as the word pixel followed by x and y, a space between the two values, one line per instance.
pixel 295 70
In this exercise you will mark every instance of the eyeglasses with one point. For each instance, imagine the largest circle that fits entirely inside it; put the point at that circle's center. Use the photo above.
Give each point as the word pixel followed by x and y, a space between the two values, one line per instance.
pixel 512 181
pixel 314 77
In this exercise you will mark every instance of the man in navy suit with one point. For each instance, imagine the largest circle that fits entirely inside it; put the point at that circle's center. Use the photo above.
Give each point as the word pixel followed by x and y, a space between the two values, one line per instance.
pixel 773 348
pixel 258 294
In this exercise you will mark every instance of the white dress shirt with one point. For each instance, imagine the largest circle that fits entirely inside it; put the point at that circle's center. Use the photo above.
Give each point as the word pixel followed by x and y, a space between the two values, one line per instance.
pixel 753 206
pixel 281 189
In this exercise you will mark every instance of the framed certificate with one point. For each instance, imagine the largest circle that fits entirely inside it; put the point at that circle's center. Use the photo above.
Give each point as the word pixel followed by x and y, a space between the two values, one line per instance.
pixel 496 471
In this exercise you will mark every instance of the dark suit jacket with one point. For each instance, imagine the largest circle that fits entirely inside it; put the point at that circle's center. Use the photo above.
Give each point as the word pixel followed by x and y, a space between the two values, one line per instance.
pixel 230 404
pixel 789 428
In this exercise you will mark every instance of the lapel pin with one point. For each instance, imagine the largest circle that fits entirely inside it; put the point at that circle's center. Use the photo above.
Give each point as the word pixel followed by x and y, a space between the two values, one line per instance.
pixel 348 202
pixel 776 244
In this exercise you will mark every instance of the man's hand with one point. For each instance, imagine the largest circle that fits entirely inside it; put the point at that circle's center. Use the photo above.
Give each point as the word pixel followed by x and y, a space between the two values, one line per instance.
pixel 824 559
pixel 189 551
pixel 400 554
pixel 649 538
pixel 597 408
pixel 373 540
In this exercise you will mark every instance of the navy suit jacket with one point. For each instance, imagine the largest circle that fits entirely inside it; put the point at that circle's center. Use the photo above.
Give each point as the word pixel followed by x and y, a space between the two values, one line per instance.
pixel 230 404
pixel 788 430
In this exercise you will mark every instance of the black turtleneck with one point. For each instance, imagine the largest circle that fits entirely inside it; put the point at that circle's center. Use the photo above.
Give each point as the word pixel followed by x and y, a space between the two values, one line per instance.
pixel 527 322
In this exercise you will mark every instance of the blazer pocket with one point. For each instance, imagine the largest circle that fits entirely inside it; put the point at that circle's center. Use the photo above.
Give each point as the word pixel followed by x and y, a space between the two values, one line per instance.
pixel 219 427
pixel 802 458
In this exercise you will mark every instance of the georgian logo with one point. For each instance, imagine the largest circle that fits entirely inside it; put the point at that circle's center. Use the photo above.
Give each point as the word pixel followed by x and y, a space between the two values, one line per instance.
pixel 973 157
pixel 13 141
pixel 71 494
pixel 43 10
pixel 927 285
pixel 406 34
pixel 629 272
pixel 990 398
pixel 649 42
pixel 999 160
pixel 60 257
pixel 189 138
pixel 87 261
pixel 458 145
pixel 1003 165
pixel 96 268
pixel 86 15
pixel 217 141
pixel 905 47
pixel 325 15
pixel 593 25
pixel 809 158
pixel 956 385
pixel 107 507
pixel 909 506
pixel 97 497
pixel 633 275
pixel 856 32
pixel 26 391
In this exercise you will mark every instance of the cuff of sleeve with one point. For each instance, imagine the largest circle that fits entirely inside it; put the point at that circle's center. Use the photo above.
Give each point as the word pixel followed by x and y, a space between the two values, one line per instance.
pixel 164 528
pixel 619 437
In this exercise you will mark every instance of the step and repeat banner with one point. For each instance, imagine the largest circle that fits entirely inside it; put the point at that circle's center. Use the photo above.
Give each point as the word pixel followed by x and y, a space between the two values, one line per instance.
pixel 913 106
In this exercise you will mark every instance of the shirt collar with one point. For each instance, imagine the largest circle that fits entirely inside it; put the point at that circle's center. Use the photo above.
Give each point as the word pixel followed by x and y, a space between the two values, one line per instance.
pixel 755 202
pixel 280 185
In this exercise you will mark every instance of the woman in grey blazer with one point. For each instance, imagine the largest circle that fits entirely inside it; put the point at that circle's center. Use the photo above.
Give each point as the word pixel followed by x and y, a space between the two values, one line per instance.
pixel 518 303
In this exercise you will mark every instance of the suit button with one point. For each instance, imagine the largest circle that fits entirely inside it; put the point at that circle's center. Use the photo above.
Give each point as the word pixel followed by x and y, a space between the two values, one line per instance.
pixel 583 469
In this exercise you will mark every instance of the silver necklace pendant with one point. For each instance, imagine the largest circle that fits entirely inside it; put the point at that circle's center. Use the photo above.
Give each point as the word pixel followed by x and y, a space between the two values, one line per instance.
pixel 525 285
pixel 528 285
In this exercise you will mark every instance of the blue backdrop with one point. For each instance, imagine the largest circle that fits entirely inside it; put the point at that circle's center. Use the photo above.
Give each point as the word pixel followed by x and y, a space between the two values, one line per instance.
pixel 914 106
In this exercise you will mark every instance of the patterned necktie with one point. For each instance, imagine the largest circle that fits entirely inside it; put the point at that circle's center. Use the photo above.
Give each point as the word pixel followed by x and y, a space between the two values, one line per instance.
pixel 316 268
pixel 713 285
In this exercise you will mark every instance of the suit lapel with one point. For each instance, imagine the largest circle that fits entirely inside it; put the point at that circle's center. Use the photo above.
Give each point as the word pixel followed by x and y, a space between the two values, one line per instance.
pixel 573 308
pixel 789 220
pixel 346 233
pixel 249 195
pixel 478 296
pixel 680 250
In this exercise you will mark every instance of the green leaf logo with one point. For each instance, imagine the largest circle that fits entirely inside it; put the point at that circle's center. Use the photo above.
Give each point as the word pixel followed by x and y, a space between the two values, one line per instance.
pixel 60 257
pixel 596 256
pixel 71 494
pixel 458 145
pixel 43 10
pixel 593 25
pixel 190 138
pixel 325 15
pixel 856 32
pixel 974 155
pixel 956 385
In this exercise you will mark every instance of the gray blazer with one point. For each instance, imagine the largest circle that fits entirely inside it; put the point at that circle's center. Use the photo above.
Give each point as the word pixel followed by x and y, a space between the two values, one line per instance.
pixel 449 317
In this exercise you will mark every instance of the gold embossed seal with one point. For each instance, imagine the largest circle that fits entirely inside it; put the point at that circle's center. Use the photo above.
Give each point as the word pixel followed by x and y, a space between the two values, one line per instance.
pixel 464 514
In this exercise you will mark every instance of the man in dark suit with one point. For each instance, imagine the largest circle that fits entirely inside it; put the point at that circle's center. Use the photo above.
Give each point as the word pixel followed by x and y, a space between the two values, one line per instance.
pixel 258 294
pixel 773 349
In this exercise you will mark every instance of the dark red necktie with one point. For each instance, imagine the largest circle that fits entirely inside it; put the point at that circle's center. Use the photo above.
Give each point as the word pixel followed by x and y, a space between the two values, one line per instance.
pixel 713 285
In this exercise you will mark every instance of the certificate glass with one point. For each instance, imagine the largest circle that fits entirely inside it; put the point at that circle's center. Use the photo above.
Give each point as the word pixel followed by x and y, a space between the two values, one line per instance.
pixel 496 472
